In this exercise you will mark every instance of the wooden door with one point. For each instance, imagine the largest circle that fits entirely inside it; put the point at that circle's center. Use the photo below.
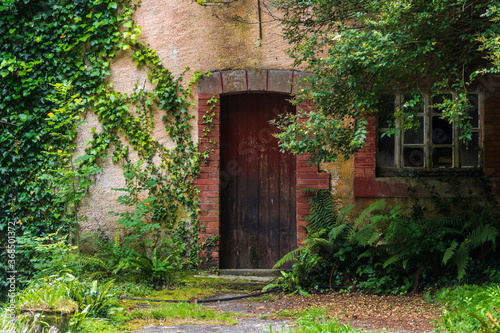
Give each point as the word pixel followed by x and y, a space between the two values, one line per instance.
pixel 258 217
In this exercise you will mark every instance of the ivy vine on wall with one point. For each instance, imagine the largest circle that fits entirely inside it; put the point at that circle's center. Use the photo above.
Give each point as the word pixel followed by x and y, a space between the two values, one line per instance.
pixel 54 57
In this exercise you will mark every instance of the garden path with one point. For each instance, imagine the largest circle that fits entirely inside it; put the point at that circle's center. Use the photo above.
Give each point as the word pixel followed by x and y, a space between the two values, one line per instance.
pixel 394 313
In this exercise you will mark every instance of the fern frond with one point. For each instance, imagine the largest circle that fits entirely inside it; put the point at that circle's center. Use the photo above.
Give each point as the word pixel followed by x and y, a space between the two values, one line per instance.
pixel 310 190
pixel 342 216
pixel 323 213
pixel 482 234
pixel 290 256
pixel 450 251
pixel 337 231
pixel 365 236
pixel 368 253
pixel 318 244
pixel 376 205
pixel 395 258
pixel 461 259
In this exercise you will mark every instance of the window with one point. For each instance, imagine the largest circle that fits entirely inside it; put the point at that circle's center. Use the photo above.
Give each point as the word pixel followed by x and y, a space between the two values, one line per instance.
pixel 434 145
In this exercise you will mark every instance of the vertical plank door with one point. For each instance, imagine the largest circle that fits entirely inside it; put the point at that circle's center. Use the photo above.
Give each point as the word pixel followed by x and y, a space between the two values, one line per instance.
pixel 258 216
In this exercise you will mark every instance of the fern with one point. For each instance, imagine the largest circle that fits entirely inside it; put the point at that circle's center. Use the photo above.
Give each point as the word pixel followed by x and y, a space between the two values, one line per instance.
pixel 482 234
pixel 461 259
pixel 322 210
pixel 395 258
pixel 290 256
pixel 450 252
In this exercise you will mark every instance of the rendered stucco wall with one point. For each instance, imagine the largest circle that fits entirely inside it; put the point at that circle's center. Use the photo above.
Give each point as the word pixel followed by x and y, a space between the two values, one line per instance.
pixel 184 34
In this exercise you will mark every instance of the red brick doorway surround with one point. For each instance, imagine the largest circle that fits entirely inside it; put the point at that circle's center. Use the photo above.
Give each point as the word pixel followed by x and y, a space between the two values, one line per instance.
pixel 208 183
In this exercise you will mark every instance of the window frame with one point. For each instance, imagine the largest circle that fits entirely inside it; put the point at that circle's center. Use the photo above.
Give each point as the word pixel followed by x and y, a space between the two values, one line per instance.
pixel 428 145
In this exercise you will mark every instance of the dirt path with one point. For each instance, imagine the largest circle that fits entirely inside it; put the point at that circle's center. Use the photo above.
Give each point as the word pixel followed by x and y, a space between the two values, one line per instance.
pixel 371 312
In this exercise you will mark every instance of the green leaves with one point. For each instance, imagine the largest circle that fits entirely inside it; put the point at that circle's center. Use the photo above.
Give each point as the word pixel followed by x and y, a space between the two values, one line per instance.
pixel 53 62
pixel 357 51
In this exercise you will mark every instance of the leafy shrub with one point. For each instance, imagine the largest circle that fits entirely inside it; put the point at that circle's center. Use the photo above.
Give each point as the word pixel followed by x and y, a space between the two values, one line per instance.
pixel 49 255
pixel 103 257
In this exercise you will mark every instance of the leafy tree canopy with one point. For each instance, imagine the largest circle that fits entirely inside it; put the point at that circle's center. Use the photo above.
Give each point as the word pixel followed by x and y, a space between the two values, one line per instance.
pixel 359 51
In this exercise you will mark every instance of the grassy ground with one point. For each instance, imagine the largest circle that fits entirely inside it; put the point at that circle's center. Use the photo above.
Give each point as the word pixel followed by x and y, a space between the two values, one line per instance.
pixel 370 312
pixel 336 312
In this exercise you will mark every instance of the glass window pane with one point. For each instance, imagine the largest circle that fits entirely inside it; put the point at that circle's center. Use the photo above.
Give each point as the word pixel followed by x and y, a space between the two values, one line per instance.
pixel 469 153
pixel 442 157
pixel 473 111
pixel 438 99
pixel 386 112
pixel 442 131
pixel 415 137
pixel 385 151
pixel 413 157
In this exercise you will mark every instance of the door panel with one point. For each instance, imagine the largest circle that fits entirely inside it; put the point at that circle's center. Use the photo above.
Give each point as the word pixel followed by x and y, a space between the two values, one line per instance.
pixel 258 220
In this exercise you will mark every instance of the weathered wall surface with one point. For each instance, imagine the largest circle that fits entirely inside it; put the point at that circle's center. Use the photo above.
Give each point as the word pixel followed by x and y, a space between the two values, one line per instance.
pixel 184 34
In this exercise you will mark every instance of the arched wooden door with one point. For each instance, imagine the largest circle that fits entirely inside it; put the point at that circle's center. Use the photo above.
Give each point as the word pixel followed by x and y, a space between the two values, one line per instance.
pixel 258 192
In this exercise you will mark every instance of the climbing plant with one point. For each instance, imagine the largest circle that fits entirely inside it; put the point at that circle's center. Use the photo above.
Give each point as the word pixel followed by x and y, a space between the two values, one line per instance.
pixel 54 58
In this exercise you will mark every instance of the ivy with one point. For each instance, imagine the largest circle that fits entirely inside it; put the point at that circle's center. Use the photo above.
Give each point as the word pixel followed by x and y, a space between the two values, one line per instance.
pixel 54 58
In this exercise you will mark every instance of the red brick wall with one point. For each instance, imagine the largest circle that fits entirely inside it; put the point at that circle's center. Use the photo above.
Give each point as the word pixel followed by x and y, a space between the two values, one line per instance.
pixel 208 181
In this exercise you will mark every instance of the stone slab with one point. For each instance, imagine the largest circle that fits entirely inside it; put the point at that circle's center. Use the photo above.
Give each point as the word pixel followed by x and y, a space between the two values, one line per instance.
pixel 257 80
pixel 210 84
pixel 234 81
pixel 280 81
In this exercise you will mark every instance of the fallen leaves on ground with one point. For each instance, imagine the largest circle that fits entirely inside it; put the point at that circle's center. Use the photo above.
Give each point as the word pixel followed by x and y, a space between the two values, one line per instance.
pixel 407 313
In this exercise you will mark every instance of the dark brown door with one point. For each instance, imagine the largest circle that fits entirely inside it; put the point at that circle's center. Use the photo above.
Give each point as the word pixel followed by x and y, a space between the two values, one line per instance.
pixel 258 221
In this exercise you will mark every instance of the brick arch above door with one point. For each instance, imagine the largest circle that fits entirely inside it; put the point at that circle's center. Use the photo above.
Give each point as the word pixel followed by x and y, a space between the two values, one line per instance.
pixel 210 89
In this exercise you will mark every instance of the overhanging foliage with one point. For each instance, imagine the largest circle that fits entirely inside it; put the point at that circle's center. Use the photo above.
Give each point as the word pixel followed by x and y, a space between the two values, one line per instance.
pixel 359 51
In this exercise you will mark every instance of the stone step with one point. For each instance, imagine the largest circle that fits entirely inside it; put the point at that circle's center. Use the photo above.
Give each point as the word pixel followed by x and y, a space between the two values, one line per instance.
pixel 250 272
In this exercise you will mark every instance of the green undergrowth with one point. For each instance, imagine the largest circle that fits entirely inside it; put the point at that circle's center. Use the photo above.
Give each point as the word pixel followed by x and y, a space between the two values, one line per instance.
pixel 191 286
pixel 470 308
pixel 55 60
pixel 176 313
pixel 385 250
pixel 309 325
